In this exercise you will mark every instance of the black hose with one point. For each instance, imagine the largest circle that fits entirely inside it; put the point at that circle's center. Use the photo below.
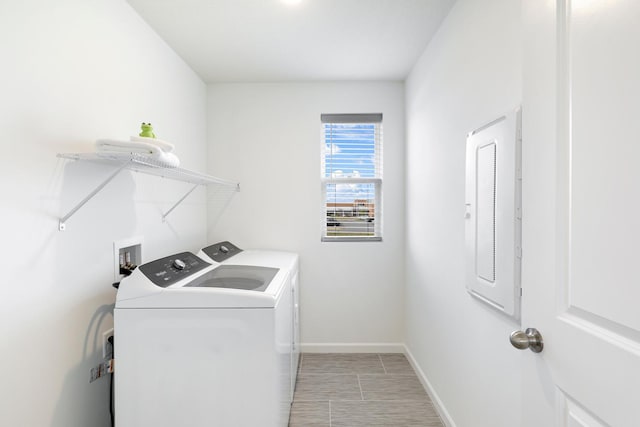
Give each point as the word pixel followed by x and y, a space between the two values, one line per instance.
pixel 111 411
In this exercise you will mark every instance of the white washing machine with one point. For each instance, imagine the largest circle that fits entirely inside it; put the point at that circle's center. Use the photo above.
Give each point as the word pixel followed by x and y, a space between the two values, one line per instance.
pixel 204 343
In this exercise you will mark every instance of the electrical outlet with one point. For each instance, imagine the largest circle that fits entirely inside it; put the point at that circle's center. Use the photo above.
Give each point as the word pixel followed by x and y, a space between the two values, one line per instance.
pixel 94 374
pixel 100 370
pixel 107 348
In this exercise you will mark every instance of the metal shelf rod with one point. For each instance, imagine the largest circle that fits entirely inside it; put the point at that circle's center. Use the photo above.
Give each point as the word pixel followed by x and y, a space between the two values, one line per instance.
pixel 164 216
pixel 61 225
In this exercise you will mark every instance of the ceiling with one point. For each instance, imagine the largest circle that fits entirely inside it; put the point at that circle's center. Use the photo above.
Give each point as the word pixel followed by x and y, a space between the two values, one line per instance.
pixel 314 40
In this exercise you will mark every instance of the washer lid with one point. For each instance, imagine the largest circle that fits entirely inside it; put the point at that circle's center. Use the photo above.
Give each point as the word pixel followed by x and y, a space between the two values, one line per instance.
pixel 247 277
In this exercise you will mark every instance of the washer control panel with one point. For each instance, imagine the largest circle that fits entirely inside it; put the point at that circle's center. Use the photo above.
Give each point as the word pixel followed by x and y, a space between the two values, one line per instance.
pixel 166 271
pixel 221 251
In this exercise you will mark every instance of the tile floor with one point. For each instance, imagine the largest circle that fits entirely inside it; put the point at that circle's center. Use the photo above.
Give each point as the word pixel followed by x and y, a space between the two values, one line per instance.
pixel 340 390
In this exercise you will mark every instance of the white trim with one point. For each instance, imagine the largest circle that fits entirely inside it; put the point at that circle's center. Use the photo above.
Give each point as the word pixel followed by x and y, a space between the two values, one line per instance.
pixel 435 399
pixel 332 136
pixel 351 239
pixel 352 348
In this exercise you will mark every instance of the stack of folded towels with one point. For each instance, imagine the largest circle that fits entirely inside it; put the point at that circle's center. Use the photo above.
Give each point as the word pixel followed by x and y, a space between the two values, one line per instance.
pixel 157 151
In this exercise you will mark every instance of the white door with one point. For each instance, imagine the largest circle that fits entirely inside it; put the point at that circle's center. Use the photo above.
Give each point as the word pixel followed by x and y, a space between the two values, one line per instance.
pixel 581 212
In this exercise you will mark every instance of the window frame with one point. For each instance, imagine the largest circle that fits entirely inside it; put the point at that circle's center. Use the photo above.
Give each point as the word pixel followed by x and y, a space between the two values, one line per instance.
pixel 376 181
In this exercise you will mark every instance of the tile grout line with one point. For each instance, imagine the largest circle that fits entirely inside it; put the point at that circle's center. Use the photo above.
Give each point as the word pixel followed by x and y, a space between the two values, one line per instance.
pixel 382 363
pixel 387 402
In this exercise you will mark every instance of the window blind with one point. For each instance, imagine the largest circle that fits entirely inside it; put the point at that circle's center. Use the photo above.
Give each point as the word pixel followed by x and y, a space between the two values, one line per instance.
pixel 351 173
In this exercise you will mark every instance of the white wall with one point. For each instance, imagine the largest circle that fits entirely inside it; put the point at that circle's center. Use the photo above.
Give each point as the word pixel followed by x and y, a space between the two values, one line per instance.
pixel 469 75
pixel 267 136
pixel 74 71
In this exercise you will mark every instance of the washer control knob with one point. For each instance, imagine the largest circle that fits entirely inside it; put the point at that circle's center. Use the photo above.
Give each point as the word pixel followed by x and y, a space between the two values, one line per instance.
pixel 224 249
pixel 179 264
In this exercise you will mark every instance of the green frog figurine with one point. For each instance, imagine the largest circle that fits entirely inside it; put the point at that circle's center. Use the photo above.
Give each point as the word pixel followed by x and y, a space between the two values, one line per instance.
pixel 147 130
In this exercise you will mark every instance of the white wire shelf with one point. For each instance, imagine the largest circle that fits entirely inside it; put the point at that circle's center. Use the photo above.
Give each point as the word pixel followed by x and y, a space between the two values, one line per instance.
pixel 143 164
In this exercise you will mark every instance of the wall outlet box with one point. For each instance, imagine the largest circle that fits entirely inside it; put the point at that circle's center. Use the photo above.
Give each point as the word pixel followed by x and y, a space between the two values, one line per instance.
pixel 126 251
pixel 107 347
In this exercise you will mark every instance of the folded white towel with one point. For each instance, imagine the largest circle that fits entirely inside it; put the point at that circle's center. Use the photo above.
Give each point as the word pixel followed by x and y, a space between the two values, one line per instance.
pixel 113 145
pixel 163 145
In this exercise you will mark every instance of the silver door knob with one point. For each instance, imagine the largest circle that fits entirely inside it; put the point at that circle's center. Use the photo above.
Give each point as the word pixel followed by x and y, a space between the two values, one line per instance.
pixel 529 339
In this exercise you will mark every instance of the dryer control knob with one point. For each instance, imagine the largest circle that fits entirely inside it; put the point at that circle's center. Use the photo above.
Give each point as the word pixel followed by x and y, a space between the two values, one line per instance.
pixel 179 264
pixel 224 249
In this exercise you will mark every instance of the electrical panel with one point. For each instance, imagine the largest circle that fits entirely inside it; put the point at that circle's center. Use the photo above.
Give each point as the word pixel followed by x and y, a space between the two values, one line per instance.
pixel 493 213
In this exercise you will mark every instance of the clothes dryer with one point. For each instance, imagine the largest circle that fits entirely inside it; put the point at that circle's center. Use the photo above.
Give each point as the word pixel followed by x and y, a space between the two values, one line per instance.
pixel 226 253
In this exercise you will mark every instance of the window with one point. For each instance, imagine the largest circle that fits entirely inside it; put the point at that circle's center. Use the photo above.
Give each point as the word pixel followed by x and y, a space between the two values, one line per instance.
pixel 351 177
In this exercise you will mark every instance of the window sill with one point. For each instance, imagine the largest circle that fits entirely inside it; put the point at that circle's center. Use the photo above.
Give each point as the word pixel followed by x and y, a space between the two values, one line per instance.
pixel 351 239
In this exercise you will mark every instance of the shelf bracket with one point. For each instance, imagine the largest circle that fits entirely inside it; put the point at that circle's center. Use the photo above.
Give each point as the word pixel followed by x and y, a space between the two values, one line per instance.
pixel 164 216
pixel 62 224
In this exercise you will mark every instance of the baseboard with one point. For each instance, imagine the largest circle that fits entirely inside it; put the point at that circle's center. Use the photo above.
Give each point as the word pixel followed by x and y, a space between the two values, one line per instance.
pixel 352 348
pixel 437 403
